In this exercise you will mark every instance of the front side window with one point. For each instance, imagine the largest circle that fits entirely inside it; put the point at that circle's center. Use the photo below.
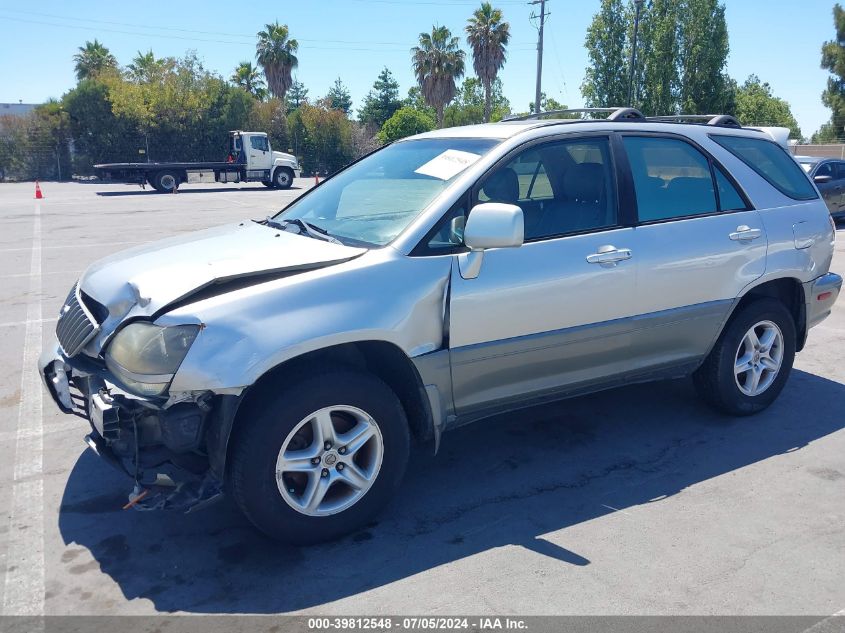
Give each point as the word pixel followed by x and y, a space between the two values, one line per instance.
pixel 260 143
pixel 562 187
pixel 772 162
pixel 374 200
pixel 672 178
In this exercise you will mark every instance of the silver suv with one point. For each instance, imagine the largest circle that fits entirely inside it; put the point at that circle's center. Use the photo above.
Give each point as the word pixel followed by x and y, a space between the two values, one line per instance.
pixel 291 361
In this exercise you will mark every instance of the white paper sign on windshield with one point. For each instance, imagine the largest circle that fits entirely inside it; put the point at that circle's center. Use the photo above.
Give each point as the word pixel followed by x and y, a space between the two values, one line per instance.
pixel 447 164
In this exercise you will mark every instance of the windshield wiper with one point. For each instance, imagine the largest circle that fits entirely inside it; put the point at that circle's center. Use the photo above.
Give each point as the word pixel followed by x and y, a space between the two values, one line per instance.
pixel 309 229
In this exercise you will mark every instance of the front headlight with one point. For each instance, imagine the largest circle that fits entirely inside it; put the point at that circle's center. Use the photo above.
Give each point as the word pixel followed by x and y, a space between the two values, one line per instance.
pixel 145 356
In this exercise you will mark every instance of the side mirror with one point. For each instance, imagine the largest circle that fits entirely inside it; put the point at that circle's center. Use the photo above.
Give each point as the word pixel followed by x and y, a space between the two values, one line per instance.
pixel 822 179
pixel 490 225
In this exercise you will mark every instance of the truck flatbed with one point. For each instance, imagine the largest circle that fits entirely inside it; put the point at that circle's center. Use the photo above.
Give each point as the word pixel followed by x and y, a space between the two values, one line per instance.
pixel 250 159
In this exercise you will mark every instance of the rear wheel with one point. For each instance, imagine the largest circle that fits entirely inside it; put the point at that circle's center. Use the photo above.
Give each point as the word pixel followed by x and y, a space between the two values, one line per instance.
pixel 750 363
pixel 166 181
pixel 283 178
pixel 319 458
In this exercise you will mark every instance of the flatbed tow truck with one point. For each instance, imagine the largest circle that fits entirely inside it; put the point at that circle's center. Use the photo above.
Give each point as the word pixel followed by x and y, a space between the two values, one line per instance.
pixel 250 159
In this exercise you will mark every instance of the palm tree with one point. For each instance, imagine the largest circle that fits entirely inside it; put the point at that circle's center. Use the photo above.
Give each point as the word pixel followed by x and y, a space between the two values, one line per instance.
pixel 248 77
pixel 145 66
pixel 488 36
pixel 276 53
pixel 92 59
pixel 438 63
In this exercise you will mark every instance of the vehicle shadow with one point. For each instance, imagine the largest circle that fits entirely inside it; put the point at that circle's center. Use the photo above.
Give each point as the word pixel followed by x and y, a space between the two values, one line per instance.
pixel 151 191
pixel 504 481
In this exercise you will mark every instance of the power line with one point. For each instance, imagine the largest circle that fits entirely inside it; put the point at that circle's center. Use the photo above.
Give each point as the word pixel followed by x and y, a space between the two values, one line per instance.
pixel 404 45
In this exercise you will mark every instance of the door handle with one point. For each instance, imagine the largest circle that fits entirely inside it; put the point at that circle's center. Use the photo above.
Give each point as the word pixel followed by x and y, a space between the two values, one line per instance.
pixel 745 233
pixel 609 256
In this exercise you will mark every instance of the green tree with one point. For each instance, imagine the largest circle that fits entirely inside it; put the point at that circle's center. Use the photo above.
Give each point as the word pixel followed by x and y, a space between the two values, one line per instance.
pixel 438 63
pixel 339 97
pixel 416 101
pixel 547 104
pixel 99 136
pixel 276 53
pixel 470 103
pixel 705 88
pixel 146 67
pixel 488 36
pixel 323 137
pixel 756 105
pixel 382 101
pixel 296 96
pixel 833 60
pixel 405 122
pixel 92 59
pixel 657 80
pixel 248 77
pixel 606 77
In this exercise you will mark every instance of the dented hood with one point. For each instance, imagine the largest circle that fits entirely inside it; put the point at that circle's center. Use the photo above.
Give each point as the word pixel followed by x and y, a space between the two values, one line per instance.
pixel 143 280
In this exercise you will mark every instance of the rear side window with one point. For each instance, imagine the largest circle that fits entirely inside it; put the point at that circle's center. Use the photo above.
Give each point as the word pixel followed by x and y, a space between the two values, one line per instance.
pixel 729 198
pixel 772 162
pixel 672 179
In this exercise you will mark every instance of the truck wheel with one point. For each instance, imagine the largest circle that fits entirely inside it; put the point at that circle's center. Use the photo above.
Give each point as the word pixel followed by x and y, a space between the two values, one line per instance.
pixel 268 183
pixel 750 363
pixel 283 178
pixel 165 181
pixel 321 457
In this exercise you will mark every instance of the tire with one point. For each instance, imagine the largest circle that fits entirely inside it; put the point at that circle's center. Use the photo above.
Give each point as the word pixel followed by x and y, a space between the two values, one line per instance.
pixel 165 181
pixel 726 382
pixel 283 178
pixel 285 422
pixel 268 183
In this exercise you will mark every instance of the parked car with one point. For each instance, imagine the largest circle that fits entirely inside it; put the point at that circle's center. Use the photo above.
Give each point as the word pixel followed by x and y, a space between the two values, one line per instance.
pixel 829 176
pixel 449 276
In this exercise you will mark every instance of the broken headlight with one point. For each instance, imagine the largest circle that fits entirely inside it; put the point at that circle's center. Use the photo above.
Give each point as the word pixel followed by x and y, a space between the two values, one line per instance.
pixel 144 356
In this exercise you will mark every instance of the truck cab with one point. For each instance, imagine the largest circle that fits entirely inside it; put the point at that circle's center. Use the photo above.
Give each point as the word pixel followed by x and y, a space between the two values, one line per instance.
pixel 252 150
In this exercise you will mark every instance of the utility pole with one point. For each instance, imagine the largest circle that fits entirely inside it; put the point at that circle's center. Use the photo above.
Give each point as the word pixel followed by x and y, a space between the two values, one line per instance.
pixel 542 17
pixel 631 94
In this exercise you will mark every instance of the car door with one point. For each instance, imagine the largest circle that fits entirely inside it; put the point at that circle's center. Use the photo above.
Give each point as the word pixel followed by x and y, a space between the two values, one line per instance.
pixel 829 187
pixel 838 185
pixel 545 317
pixel 698 244
pixel 260 157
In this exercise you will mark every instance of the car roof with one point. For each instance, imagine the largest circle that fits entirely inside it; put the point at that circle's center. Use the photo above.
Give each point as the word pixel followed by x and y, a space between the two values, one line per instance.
pixel 810 159
pixel 508 129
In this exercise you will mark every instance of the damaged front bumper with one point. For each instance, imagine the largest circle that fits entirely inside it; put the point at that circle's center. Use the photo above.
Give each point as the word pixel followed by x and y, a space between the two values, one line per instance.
pixel 174 452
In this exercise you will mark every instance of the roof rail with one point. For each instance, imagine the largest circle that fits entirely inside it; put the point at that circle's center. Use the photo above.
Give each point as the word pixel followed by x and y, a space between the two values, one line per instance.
pixel 614 114
pixel 720 120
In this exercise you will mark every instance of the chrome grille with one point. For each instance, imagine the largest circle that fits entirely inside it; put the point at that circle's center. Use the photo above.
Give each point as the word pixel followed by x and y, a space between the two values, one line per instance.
pixel 76 324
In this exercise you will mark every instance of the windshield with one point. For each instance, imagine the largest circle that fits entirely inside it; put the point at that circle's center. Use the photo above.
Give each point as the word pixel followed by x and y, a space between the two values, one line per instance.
pixel 376 198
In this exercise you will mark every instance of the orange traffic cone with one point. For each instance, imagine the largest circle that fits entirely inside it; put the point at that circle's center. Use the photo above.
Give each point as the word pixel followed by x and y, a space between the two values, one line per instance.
pixel 38 194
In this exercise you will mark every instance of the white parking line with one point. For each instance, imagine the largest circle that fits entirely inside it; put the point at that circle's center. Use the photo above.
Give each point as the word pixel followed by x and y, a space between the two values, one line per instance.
pixel 24 582
pixel 19 323
pixel 79 245
pixel 54 272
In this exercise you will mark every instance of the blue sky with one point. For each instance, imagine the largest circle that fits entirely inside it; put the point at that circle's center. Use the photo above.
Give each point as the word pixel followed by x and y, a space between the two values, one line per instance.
pixel 779 40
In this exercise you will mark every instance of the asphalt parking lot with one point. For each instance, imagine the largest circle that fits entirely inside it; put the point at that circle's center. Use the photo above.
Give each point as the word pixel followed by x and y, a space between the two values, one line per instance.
pixel 634 501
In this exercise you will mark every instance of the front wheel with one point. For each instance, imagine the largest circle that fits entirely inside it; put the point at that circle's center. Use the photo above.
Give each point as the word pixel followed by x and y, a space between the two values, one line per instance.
pixel 750 363
pixel 319 458
pixel 283 178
